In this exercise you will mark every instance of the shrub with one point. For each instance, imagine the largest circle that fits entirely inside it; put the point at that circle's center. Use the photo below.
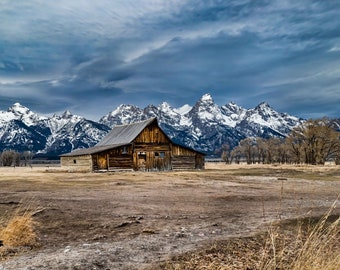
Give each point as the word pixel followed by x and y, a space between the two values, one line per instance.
pixel 19 232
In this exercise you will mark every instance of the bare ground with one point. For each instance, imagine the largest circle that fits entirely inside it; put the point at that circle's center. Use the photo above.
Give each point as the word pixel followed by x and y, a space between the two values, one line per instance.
pixel 131 220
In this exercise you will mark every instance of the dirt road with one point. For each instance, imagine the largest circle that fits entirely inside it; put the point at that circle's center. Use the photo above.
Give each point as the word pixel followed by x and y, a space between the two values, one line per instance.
pixel 132 220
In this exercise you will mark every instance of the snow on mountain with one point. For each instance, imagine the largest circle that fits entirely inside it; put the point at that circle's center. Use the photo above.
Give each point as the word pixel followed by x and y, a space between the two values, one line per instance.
pixel 21 130
pixel 183 110
pixel 19 112
pixel 123 114
pixel 233 113
pixel 264 121
pixel 73 135
pixel 204 126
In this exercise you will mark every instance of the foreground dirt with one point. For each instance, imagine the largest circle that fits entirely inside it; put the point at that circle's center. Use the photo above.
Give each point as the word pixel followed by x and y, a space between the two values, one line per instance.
pixel 139 220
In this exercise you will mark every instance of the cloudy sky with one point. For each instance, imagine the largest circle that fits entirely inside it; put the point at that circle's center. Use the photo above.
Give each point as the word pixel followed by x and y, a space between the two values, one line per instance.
pixel 91 56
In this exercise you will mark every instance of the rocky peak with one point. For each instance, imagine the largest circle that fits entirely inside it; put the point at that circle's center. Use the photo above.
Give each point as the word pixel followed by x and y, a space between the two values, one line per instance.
pixel 164 106
pixel 66 114
pixel 263 106
pixel 206 100
pixel 265 111
pixel 205 103
pixel 18 109
pixel 233 108
pixel 123 114
pixel 20 112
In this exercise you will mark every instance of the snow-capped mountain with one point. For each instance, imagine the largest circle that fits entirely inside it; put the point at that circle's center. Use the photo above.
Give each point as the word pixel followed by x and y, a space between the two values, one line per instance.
pixel 23 130
pixel 69 132
pixel 264 121
pixel 204 126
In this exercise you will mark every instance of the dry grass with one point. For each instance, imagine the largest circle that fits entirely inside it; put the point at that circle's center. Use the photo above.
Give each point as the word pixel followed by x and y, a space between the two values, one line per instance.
pixel 307 172
pixel 18 231
pixel 302 245
pixel 312 249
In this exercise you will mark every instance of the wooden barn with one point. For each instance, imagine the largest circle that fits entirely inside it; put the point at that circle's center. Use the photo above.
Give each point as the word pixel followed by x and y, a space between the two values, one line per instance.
pixel 141 146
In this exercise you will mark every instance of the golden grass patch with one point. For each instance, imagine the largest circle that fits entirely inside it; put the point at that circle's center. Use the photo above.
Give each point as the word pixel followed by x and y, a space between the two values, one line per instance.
pixel 18 232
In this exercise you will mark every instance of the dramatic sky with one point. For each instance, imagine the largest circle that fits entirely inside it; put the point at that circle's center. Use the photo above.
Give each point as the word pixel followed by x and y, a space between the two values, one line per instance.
pixel 89 56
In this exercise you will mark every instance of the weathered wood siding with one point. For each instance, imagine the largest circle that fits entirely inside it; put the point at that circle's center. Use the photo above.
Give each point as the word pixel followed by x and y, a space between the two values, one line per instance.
pixel 200 161
pixel 114 159
pixel 77 163
pixel 152 150
pixel 183 162
pixel 152 134
pixel 186 159
pixel 152 160
pixel 120 158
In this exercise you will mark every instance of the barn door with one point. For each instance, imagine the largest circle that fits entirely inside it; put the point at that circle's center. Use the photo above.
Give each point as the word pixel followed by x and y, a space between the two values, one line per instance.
pixel 102 162
pixel 141 161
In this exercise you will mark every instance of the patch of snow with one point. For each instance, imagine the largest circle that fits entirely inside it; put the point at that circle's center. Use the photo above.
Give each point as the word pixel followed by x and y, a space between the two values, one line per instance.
pixel 184 109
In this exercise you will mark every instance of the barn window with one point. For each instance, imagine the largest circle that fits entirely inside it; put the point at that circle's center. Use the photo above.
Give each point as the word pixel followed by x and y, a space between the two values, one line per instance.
pixel 74 161
pixel 124 150
pixel 160 154
pixel 142 155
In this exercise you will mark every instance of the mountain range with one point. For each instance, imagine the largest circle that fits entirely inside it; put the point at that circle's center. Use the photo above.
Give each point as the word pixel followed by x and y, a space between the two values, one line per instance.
pixel 204 126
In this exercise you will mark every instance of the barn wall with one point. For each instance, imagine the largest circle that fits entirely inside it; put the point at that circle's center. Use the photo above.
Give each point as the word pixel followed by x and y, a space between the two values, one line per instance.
pixel 152 150
pixel 178 150
pixel 149 160
pixel 114 159
pixel 200 161
pixel 152 134
pixel 186 159
pixel 183 163
pixel 77 163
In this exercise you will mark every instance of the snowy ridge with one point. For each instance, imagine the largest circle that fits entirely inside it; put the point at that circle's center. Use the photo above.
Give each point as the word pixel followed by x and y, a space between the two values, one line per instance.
pixel 204 126
pixel 23 130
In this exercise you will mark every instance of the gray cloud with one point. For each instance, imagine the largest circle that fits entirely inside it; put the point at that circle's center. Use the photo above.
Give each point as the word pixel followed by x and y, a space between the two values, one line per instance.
pixel 91 56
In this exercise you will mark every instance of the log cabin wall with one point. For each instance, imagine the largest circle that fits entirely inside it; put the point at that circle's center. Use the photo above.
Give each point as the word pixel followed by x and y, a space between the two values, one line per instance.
pixel 152 134
pixel 120 158
pixel 114 159
pixel 200 161
pixel 186 159
pixel 152 160
pixel 151 150
pixel 77 163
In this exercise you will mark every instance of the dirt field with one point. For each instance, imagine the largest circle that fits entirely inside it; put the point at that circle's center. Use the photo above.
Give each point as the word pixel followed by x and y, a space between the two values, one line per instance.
pixel 131 220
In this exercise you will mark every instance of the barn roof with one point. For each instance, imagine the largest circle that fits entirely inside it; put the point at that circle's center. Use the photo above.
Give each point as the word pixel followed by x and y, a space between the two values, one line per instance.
pixel 91 150
pixel 125 134
pixel 120 135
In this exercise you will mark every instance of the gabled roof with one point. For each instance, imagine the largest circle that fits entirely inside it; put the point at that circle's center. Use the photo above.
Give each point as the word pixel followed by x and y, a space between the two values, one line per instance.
pixel 91 150
pixel 125 134
pixel 120 135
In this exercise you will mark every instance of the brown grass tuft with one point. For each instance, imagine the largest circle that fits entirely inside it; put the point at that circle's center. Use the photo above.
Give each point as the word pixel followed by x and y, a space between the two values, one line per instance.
pixel 19 232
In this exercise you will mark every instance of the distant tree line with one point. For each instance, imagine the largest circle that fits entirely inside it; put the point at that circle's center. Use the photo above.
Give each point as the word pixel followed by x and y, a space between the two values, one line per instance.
pixel 14 158
pixel 313 142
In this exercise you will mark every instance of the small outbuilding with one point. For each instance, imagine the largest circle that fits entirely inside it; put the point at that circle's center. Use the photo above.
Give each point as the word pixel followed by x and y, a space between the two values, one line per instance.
pixel 141 146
